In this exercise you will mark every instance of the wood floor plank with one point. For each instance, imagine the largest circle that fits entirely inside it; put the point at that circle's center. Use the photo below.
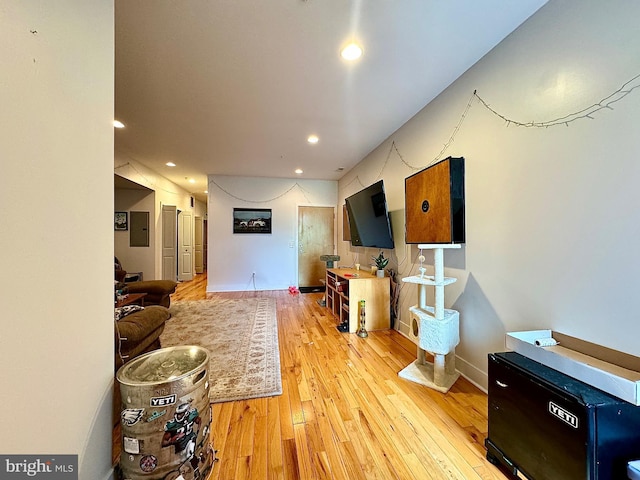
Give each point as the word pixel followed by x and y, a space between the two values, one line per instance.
pixel 315 444
pixel 290 456
pixel 260 453
pixel 344 412
pixel 286 418
pixel 275 458
pixel 304 458
pixel 230 452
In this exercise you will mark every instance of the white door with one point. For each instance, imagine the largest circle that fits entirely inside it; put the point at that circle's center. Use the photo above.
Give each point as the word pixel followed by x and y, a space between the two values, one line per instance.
pixel 185 246
pixel 169 236
pixel 199 243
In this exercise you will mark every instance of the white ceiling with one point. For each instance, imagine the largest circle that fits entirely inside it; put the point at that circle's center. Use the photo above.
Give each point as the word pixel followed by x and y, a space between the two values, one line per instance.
pixel 234 87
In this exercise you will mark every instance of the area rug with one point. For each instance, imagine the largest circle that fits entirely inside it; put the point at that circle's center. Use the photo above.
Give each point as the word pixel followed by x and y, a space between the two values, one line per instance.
pixel 241 336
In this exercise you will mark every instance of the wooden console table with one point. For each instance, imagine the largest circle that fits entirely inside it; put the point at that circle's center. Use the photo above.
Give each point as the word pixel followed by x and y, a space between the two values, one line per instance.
pixel 347 286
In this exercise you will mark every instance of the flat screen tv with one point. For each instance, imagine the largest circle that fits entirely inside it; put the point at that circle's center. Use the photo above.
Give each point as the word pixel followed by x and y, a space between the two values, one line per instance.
pixel 369 223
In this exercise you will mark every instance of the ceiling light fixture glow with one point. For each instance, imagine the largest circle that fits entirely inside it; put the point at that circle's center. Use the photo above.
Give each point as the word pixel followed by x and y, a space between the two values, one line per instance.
pixel 191 180
pixel 170 164
pixel 313 139
pixel 118 124
pixel 298 171
pixel 351 52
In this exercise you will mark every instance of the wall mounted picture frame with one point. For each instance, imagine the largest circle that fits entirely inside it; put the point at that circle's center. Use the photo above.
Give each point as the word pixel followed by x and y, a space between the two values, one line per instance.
pixel 121 221
pixel 251 220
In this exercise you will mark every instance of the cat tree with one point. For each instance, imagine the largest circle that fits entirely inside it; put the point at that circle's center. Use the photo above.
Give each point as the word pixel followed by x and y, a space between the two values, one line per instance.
pixel 436 328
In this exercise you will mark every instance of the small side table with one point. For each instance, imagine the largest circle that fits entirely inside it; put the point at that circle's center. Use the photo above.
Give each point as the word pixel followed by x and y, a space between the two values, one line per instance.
pixel 132 299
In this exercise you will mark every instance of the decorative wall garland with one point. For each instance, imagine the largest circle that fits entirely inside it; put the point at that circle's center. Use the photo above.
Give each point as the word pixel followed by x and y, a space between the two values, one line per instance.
pixel 605 103
pixel 296 184
pixel 588 112
pixel 438 157
pixel 149 182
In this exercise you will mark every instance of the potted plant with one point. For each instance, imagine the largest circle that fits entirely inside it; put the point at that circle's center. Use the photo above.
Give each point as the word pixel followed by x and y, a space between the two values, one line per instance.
pixel 381 263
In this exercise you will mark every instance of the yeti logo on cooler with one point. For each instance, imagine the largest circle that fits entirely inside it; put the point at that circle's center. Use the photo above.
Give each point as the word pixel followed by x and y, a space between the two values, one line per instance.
pixel 564 415
pixel 164 401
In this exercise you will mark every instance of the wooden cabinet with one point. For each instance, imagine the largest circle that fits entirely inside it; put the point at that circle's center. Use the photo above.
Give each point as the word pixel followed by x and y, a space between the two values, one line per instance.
pixel 346 287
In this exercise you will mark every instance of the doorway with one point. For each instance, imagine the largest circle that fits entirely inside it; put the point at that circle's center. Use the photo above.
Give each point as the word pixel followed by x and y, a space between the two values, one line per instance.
pixel 185 246
pixel 169 241
pixel 199 244
pixel 315 238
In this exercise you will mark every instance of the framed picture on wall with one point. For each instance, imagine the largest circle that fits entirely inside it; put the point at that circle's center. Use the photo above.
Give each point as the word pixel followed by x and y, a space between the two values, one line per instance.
pixel 251 220
pixel 121 221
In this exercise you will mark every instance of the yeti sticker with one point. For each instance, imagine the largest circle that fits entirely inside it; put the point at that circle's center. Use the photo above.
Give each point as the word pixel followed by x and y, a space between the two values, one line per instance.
pixel 564 415
pixel 164 401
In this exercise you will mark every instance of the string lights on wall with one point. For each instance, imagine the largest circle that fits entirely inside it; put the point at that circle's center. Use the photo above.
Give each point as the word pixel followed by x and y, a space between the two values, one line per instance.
pixel 147 181
pixel 394 148
pixel 588 112
pixel 585 113
pixel 295 185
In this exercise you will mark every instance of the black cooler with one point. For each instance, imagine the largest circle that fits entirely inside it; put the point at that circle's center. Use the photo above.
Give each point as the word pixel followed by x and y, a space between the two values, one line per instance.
pixel 545 425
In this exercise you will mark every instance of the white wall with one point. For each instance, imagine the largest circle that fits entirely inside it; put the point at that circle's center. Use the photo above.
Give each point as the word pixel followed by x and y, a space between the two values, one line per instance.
pixel 551 213
pixel 233 258
pixel 166 193
pixel 135 259
pixel 56 192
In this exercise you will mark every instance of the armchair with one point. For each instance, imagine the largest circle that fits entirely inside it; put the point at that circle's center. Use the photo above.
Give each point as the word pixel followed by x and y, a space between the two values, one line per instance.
pixel 158 291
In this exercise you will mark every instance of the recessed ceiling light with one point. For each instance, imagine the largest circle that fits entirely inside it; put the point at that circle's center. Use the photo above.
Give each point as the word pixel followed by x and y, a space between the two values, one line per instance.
pixel 298 171
pixel 191 180
pixel 118 124
pixel 352 51
pixel 170 164
pixel 313 139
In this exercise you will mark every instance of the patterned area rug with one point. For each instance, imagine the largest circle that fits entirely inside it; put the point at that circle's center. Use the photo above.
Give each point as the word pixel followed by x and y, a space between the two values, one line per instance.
pixel 242 338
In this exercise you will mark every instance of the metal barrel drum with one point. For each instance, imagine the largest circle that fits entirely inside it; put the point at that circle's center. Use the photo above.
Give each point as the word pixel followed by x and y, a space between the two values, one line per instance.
pixel 166 415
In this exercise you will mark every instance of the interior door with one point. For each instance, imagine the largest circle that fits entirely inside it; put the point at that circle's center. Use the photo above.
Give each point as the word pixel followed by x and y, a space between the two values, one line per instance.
pixel 315 238
pixel 169 236
pixel 198 243
pixel 205 243
pixel 185 246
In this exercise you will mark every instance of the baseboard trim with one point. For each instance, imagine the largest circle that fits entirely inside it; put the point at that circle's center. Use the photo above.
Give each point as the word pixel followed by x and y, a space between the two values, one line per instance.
pixel 318 289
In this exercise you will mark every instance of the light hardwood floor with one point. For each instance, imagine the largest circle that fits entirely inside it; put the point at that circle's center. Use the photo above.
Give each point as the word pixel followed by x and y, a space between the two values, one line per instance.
pixel 344 412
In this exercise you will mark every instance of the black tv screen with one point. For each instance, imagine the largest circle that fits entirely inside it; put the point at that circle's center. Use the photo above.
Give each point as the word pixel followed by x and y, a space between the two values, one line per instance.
pixel 369 222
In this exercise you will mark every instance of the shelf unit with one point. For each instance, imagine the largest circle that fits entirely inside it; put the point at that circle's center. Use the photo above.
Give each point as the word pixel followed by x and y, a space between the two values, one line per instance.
pixel 347 286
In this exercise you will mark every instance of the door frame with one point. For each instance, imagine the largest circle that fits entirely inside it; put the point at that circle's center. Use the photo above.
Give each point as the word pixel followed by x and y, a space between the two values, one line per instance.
pixel 185 245
pixel 297 244
pixel 172 226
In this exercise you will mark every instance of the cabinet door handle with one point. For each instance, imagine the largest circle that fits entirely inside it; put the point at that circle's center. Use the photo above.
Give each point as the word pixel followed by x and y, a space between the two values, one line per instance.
pixel 500 384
